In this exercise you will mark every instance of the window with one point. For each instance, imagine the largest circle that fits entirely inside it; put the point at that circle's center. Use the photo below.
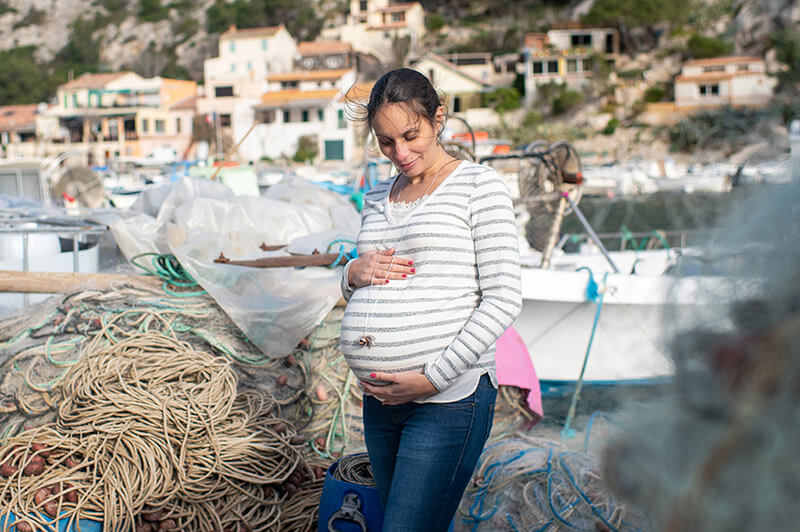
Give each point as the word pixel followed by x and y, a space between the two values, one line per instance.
pixel 552 67
pixel 538 67
pixel 308 63
pixel 709 90
pixel 289 84
pixel 333 61
pixel 225 120
pixel 588 65
pixel 304 115
pixel 74 100
pixel 341 124
pixel 266 116
pixel 263 44
pixel 232 47
pixel 249 65
pixel 178 125
pixel 362 5
pixel 743 67
pixel 266 67
pixel 321 115
pixel 222 92
pixel 714 68
pixel 286 117
pixel 233 67
pixel 399 17
pixel 145 125
pixel 160 126
pixel 581 39
pixel 572 65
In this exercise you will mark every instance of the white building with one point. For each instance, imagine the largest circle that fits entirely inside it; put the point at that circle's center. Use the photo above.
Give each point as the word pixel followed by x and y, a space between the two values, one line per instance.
pixel 297 104
pixel 737 81
pixel 566 54
pixel 111 115
pixel 247 57
pixel 377 26
pixel 460 85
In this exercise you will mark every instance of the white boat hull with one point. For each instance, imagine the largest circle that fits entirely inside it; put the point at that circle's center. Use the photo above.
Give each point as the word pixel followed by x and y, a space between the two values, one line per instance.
pixel 629 343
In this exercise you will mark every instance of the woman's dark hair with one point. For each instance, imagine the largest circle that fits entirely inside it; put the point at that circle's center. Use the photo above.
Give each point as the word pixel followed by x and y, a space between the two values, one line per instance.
pixel 404 86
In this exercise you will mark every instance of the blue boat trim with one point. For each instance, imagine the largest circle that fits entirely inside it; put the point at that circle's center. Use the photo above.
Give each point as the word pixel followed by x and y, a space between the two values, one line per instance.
pixel 563 388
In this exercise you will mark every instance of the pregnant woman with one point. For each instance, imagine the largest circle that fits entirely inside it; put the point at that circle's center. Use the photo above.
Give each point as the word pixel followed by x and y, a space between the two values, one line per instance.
pixel 437 281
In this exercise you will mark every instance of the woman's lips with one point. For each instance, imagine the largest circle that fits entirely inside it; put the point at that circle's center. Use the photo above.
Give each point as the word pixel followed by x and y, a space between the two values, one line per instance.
pixel 408 166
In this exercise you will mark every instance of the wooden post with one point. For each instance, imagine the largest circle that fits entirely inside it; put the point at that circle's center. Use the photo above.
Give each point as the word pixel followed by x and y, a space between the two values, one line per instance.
pixel 56 283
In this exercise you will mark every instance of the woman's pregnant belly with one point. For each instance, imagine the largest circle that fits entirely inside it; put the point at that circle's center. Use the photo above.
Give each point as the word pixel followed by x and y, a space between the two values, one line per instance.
pixel 384 333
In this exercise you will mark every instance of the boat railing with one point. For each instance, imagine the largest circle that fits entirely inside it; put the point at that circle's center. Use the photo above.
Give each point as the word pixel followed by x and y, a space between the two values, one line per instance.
pixel 76 230
pixel 638 240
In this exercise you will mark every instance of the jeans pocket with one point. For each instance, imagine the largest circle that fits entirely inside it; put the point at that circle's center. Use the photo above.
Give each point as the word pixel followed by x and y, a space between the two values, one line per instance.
pixel 489 423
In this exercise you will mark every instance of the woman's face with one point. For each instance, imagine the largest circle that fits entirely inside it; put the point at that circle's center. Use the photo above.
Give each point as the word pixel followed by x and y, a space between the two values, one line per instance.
pixel 406 138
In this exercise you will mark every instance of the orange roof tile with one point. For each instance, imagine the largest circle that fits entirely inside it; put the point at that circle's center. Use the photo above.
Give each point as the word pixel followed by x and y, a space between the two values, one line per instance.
pixel 576 25
pixel 93 81
pixel 713 76
pixel 277 98
pixel 323 47
pixel 309 75
pixel 397 7
pixel 14 117
pixel 724 60
pixel 234 33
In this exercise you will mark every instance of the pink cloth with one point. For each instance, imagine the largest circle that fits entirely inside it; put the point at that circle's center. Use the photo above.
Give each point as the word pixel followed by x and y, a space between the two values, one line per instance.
pixel 515 368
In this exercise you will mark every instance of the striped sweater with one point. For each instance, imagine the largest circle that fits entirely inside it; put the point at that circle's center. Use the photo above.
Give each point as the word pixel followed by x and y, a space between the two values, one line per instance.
pixel 445 318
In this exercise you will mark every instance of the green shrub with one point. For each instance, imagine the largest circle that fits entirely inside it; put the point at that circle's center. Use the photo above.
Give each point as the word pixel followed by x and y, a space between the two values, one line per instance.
pixel 700 47
pixel 566 101
pixel 502 99
pixel 33 17
pixel 434 22
pixel 306 149
pixel 152 11
pixel 611 127
pixel 653 94
pixel 532 119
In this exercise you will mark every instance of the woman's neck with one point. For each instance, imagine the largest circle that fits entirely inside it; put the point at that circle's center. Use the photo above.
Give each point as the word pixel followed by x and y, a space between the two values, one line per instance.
pixel 442 159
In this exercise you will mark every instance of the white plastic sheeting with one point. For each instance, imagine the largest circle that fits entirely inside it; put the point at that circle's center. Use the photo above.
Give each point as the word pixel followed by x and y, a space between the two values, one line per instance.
pixel 197 219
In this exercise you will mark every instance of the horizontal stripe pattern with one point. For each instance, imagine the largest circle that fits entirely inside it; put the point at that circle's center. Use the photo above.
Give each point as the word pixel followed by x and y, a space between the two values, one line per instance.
pixel 445 319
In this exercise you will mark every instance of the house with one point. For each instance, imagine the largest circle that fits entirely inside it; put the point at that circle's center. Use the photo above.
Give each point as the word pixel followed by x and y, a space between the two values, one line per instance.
pixel 566 54
pixel 108 115
pixel 462 85
pixel 304 103
pixel 381 28
pixel 737 81
pixel 322 55
pixel 239 74
pixel 18 130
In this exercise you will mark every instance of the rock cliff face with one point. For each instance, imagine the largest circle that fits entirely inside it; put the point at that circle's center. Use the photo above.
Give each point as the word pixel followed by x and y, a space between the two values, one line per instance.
pixel 127 42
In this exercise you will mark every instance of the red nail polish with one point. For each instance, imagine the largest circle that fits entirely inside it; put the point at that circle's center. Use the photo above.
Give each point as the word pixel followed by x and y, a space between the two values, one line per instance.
pixel 372 375
pixel 404 276
pixel 413 270
pixel 387 281
pixel 410 262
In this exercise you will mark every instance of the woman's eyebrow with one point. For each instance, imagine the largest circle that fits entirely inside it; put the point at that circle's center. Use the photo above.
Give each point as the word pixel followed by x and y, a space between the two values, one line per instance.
pixel 413 129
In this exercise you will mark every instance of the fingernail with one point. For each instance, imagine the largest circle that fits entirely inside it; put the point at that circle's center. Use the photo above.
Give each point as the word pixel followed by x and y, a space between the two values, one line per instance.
pixel 410 262
pixel 387 281
pixel 413 270
pixel 404 276
pixel 373 375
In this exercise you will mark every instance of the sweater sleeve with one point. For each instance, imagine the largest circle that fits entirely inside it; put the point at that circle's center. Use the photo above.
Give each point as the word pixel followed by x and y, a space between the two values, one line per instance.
pixel 494 235
pixel 347 290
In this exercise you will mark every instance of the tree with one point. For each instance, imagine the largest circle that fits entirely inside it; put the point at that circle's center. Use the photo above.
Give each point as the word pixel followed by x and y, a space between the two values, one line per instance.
pixel 23 80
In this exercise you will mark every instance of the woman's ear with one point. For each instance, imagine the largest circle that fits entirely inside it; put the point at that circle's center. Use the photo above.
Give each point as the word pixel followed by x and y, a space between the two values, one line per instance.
pixel 440 118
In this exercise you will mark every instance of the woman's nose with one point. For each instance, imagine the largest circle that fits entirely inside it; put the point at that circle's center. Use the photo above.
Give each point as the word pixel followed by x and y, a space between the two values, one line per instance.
pixel 401 150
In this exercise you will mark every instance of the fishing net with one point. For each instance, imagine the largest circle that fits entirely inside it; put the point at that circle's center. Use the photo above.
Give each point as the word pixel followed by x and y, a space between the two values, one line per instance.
pixel 526 483
pixel 718 451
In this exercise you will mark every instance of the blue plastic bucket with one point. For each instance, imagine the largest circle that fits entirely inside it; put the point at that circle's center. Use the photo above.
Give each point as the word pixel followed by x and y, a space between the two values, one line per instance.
pixel 86 525
pixel 348 507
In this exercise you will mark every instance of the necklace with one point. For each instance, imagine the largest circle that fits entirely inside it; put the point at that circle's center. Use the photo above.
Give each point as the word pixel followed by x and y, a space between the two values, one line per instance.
pixel 367 340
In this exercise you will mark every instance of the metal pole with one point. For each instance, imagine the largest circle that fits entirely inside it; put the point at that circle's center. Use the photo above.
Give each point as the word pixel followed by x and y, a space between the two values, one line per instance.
pixel 76 267
pixel 589 230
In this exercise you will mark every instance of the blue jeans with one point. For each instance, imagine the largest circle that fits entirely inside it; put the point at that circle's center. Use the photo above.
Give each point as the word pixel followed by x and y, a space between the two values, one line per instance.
pixel 423 456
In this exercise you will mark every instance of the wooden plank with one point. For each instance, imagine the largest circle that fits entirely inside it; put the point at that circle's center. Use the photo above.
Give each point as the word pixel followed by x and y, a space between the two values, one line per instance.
pixel 58 282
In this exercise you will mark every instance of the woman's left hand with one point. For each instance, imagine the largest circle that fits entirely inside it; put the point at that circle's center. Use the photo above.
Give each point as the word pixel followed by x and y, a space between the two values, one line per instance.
pixel 403 387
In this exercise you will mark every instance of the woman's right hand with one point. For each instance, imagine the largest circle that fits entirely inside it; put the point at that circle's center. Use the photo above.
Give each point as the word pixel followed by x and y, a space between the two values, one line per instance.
pixel 378 267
